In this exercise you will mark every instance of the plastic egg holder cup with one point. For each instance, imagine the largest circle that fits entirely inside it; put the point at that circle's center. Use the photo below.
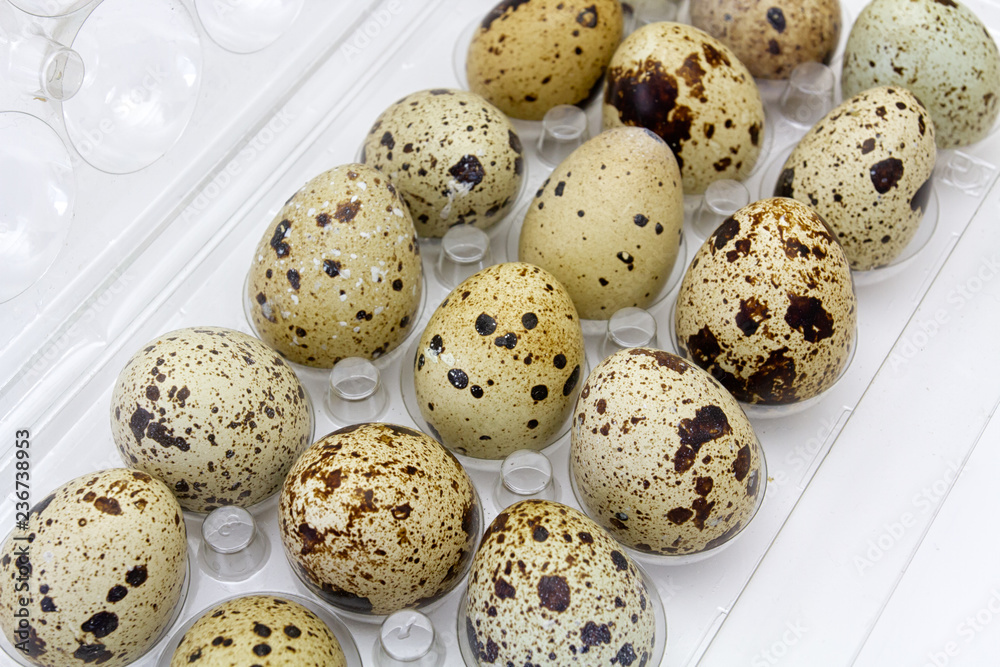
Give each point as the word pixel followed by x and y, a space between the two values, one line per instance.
pixel 597 327
pixel 524 474
pixel 409 391
pixel 408 637
pixel 38 191
pixel 653 597
pixel 464 251
pixel 564 129
pixel 17 656
pixel 245 26
pixel 627 328
pixel 925 230
pixel 721 200
pixel 686 559
pixel 655 11
pixel 335 625
pixel 314 590
pixel 756 411
pixel 356 393
pixel 809 94
pixel 143 73
pixel 232 548
pixel 33 63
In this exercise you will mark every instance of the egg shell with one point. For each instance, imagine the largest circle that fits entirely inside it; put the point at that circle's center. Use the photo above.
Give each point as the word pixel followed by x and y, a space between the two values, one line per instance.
pixel 663 457
pixel 259 629
pixel 772 37
pixel 337 274
pixel 940 51
pixel 527 57
pixel 866 168
pixel 213 413
pixel 690 89
pixel 767 305
pixel 104 565
pixel 455 158
pixel 379 517
pixel 499 362
pixel 618 249
pixel 548 584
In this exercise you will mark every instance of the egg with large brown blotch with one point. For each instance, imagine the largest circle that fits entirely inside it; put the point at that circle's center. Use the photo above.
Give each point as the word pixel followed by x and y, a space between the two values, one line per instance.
pixel 690 89
pixel 376 518
pixel 454 157
pixel 940 51
pixel 213 413
pixel 527 57
pixel 337 274
pixel 767 305
pixel 662 456
pixel 772 37
pixel 498 365
pixel 258 630
pixel 616 250
pixel 548 584
pixel 866 168
pixel 99 570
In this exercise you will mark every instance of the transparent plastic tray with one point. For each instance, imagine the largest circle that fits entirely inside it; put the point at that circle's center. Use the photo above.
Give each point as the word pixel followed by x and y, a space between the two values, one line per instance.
pixel 170 245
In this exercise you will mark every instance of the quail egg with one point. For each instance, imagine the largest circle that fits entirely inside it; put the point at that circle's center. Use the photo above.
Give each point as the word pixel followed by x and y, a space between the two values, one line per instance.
pixel 213 413
pixel 377 517
pixel 618 249
pixel 498 364
pixel 767 305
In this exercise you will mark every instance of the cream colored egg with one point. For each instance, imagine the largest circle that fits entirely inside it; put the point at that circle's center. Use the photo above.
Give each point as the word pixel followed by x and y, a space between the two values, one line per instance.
pixel 767 305
pixel 213 413
pixel 377 518
pixel 527 57
pixel 338 272
pixel 663 456
pixel 549 586
pixel 454 157
pixel 866 169
pixel 690 89
pixel 101 571
pixel 498 364
pixel 259 629
pixel 772 37
pixel 618 249
pixel 940 51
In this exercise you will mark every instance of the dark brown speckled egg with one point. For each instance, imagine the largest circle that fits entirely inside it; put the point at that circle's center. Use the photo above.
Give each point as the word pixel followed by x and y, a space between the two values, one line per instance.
pixel 377 517
pixel 103 564
pixel 215 414
pixel 549 586
pixel 498 364
pixel 663 457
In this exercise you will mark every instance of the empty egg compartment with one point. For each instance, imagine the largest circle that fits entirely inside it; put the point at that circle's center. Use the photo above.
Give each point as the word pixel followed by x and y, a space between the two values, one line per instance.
pixel 191 270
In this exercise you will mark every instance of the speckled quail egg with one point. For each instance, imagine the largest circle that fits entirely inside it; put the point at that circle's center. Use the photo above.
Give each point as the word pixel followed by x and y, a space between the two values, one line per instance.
pixel 338 272
pixel 662 455
pixel 690 89
pixel 618 249
pixel 213 413
pixel 455 158
pixel 527 57
pixel 100 570
pixel 940 51
pixel 549 586
pixel 259 630
pixel 772 37
pixel 498 364
pixel 866 169
pixel 767 305
pixel 376 518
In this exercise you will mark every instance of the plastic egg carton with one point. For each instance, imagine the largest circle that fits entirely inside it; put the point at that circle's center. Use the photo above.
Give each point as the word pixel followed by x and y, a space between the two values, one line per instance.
pixel 852 555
